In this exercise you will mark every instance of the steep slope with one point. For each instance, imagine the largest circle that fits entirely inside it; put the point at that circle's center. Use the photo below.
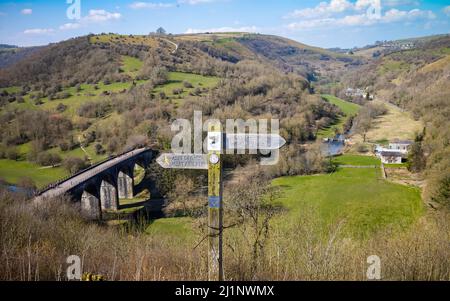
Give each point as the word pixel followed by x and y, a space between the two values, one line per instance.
pixel 9 54
pixel 287 55
pixel 65 61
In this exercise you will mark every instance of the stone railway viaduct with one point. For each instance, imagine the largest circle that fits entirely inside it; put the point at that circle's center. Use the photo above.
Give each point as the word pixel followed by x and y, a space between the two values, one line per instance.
pixel 100 187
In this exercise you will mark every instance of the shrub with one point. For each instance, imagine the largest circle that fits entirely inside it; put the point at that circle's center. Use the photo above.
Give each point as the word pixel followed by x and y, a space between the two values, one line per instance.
pixel 61 107
pixel 48 159
pixel 27 182
pixel 177 91
pixel 94 109
pixel 12 154
pixel 99 150
pixel 362 148
pixel 187 85
pixel 74 165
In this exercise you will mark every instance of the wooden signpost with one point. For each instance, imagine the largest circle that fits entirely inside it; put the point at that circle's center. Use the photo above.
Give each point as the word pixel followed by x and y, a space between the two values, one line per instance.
pixel 217 143
pixel 183 161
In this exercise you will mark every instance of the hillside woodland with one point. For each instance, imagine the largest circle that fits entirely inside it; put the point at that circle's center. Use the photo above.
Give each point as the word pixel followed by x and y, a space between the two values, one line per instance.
pixel 91 67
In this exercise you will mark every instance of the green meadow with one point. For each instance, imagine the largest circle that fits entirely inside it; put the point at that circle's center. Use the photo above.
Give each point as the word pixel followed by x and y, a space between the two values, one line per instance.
pixel 131 65
pixel 357 160
pixel 13 171
pixel 357 197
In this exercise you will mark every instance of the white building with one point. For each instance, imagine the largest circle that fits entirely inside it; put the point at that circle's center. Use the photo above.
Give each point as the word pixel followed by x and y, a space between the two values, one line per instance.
pixel 394 153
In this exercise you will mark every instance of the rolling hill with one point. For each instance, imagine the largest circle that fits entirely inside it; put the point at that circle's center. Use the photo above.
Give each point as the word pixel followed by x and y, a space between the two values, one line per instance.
pixel 111 92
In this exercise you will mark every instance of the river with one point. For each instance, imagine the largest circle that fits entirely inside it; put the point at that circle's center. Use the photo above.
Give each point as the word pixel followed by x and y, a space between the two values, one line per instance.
pixel 333 146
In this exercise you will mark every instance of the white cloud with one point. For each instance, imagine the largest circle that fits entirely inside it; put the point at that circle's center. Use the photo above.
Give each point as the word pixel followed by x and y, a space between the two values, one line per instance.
pixel 150 5
pixel 224 29
pixel 195 2
pixel 338 7
pixel 95 16
pixel 160 5
pixel 391 16
pixel 323 9
pixel 447 10
pixel 395 15
pixel 392 3
pixel 101 15
pixel 38 31
pixel 26 11
pixel 70 26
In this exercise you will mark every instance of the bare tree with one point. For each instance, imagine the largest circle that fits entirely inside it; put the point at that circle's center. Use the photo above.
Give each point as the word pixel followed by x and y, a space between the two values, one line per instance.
pixel 251 206
pixel 161 31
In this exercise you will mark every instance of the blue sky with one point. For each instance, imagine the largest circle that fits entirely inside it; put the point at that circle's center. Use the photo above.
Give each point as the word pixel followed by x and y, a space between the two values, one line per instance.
pixel 326 23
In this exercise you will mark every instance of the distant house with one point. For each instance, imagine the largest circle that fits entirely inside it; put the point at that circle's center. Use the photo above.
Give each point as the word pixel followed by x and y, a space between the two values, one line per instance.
pixel 395 153
pixel 399 45
pixel 350 92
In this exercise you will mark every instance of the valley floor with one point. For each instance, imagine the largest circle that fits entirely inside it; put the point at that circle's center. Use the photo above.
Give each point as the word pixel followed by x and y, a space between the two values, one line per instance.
pixel 396 124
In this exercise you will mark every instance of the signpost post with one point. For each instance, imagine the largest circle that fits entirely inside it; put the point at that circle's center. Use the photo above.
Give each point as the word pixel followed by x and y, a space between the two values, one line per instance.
pixel 215 208
pixel 217 143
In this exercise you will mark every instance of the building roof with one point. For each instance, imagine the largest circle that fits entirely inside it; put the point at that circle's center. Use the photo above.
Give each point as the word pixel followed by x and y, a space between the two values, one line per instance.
pixel 391 154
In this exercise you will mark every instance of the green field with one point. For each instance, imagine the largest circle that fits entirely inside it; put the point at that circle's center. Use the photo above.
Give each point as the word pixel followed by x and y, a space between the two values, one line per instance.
pixel 131 65
pixel 358 197
pixel 88 93
pixel 357 160
pixel 365 202
pixel 176 227
pixel 176 79
pixel 78 152
pixel 349 109
pixel 13 171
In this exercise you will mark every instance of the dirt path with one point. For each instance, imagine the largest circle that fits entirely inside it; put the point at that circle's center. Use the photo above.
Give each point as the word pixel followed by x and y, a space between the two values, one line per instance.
pixel 84 150
pixel 170 42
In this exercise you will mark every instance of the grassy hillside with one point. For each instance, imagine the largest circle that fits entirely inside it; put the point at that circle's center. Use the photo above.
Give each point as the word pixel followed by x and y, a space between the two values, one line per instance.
pixel 348 109
pixel 131 65
pixel 184 84
pixel 395 124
